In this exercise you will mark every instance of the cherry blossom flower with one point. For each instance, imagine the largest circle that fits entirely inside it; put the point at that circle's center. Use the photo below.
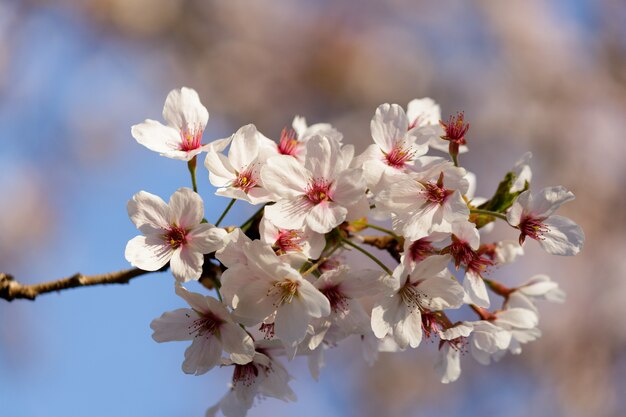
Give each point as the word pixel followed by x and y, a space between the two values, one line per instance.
pixel 321 194
pixel 492 336
pixel 425 113
pixel 172 233
pixel 209 326
pixel 429 286
pixel 533 216
pixel 238 175
pixel 304 240
pixel 343 287
pixel 397 145
pixel 428 200
pixel 537 288
pixel 455 130
pixel 464 246
pixel 182 137
pixel 292 142
pixel 263 377
pixel 270 285
pixel 453 343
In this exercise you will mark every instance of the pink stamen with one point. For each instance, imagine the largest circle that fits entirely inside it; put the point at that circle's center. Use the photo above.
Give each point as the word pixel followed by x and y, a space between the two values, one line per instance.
pixel 533 228
pixel 176 236
pixel 206 325
pixel 436 192
pixel 420 250
pixel 455 128
pixel 246 180
pixel 399 156
pixel 190 139
pixel 288 241
pixel 288 144
pixel 319 191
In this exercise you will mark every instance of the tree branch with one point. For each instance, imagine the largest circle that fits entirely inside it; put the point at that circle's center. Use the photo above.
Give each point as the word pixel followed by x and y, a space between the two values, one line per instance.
pixel 11 289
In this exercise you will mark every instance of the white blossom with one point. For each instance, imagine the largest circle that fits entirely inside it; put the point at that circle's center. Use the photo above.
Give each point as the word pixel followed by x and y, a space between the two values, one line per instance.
pixel 533 216
pixel 172 233
pixel 209 326
pixel 182 137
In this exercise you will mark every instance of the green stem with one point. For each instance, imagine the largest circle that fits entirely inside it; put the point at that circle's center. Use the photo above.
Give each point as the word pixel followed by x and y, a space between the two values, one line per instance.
pixel 191 165
pixel 369 255
pixel 244 227
pixel 225 211
pixel 488 213
pixel 382 229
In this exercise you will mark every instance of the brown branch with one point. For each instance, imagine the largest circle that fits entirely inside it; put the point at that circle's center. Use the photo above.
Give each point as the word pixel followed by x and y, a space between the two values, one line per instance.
pixel 388 243
pixel 11 289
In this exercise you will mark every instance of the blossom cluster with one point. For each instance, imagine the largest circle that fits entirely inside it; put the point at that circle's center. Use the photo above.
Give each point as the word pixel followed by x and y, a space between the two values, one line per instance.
pixel 282 286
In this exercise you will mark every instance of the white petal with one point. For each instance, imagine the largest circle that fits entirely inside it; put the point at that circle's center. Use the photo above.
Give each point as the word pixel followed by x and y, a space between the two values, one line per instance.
pixel 149 213
pixel 254 305
pixel 325 216
pixel 476 290
pixel 183 109
pixel 206 238
pixel 186 208
pixel 203 354
pixel 284 176
pixel 442 292
pixel 448 364
pixel 244 148
pixel 389 125
pixel 148 253
pixel 157 137
pixel 291 322
pixel 237 342
pixel 221 172
pixel 349 188
pixel 564 237
pixel 323 158
pixel 186 264
pixel 518 317
pixel 173 325
pixel 289 214
pixel 315 303
pixel 408 329
pixel 546 201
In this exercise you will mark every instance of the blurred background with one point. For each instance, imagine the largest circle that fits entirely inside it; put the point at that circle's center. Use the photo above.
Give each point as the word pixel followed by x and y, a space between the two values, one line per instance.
pixel 548 77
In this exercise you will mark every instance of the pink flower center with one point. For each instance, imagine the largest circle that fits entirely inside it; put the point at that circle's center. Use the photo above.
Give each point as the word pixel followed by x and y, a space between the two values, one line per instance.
pixel 430 323
pixel 338 301
pixel 268 329
pixel 288 241
pixel 246 180
pixel 319 191
pixel 399 156
pixel 458 344
pixel 190 139
pixel 420 250
pixel 283 291
pixel 288 144
pixel 533 228
pixel 411 296
pixel 461 251
pixel 176 236
pixel 245 374
pixel 436 192
pixel 206 325
pixel 455 128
